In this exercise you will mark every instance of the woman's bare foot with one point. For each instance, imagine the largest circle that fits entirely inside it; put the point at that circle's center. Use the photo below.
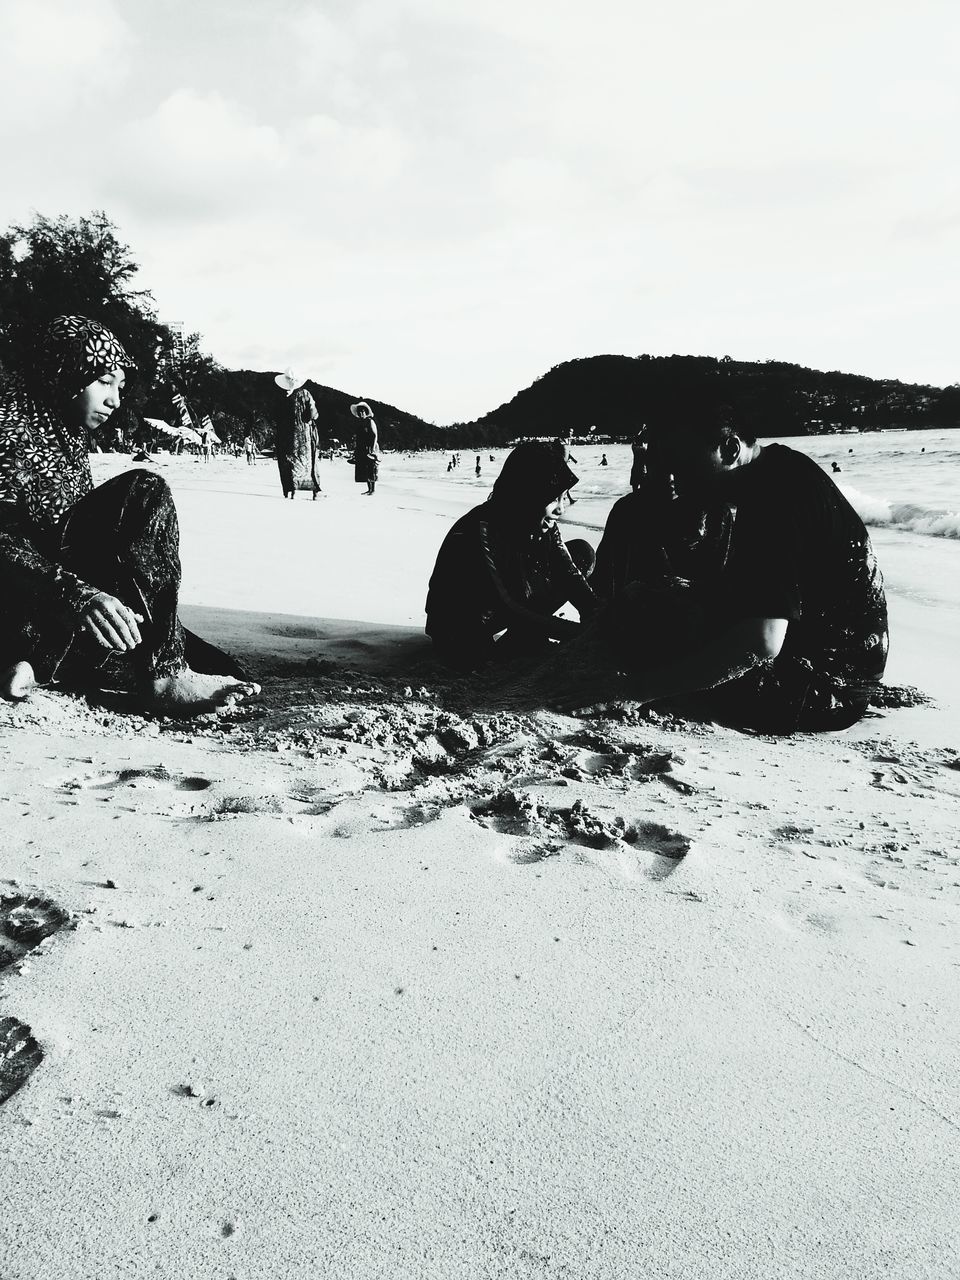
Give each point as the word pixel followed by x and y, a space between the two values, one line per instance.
pixel 17 682
pixel 189 693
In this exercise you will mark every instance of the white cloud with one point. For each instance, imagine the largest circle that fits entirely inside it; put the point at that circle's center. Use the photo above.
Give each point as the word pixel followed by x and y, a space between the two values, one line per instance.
pixel 201 156
pixel 57 55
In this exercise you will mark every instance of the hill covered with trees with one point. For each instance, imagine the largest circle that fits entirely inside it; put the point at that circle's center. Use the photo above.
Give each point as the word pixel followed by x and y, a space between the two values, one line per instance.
pixel 64 265
pixel 612 395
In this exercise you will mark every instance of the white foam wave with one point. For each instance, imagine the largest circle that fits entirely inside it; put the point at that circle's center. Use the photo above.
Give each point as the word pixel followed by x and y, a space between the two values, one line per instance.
pixel 903 515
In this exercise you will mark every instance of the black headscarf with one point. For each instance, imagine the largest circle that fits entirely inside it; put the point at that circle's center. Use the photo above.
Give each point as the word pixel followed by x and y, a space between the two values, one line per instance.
pixel 533 475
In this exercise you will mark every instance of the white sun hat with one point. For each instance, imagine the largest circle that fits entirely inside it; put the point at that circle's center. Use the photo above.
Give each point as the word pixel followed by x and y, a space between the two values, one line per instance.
pixel 361 409
pixel 289 381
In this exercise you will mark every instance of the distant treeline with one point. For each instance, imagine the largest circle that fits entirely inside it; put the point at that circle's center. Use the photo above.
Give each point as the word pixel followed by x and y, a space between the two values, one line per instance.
pixel 612 396
pixel 63 265
pixel 615 394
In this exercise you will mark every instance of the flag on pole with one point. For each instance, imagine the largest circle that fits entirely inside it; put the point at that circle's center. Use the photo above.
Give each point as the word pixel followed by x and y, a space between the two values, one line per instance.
pixel 208 427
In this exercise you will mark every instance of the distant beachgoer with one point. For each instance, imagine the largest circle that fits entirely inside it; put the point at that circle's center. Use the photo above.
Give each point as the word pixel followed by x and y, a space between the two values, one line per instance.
pixel 603 461
pixel 492 458
pixel 794 635
pixel 206 445
pixel 835 468
pixel 366 448
pixel 503 570
pixel 90 576
pixel 638 466
pixel 250 449
pixel 477 468
pixel 298 444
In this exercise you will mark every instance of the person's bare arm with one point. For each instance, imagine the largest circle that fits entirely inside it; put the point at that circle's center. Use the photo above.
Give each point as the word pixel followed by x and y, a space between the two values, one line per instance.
pixel 729 655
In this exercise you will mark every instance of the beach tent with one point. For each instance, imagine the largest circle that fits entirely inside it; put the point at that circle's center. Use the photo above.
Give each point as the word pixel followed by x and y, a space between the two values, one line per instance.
pixel 182 433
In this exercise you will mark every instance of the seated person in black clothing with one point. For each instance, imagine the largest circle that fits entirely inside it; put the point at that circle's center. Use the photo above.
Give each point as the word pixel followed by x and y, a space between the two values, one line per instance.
pixel 656 537
pixel 90 576
pixel 795 636
pixel 503 570
pixel 658 563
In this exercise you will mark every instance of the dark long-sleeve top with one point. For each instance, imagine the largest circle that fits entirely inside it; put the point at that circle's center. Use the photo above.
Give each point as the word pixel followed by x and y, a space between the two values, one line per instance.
pixel 44 469
pixel 490 575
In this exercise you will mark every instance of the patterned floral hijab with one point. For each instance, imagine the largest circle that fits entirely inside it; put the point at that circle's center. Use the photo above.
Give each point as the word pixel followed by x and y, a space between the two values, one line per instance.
pixel 44 462
pixel 73 352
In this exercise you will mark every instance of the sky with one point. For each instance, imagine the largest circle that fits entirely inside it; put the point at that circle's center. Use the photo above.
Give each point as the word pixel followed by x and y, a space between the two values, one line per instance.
pixel 432 202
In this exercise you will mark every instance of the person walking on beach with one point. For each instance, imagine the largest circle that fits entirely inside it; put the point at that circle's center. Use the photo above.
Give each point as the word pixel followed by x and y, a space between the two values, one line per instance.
pixel 206 445
pixel 477 468
pixel 249 449
pixel 298 445
pixel 793 635
pixel 366 448
pixel 503 570
pixel 90 576
pixel 638 466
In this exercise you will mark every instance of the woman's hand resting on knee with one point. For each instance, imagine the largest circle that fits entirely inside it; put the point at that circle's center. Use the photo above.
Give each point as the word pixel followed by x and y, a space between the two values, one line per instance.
pixel 110 622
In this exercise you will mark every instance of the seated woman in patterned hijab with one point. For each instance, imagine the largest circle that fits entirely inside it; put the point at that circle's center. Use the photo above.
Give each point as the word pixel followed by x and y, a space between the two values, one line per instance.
pixel 90 576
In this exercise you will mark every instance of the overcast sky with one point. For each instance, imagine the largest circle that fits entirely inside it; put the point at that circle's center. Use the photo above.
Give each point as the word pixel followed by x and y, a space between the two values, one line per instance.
pixel 431 202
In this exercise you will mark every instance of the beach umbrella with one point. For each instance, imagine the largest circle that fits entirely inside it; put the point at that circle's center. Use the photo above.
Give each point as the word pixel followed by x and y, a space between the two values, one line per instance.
pixel 182 433
pixel 158 424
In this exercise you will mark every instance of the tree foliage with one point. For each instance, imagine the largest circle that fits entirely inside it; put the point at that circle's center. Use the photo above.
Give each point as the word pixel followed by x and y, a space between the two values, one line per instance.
pixel 66 266
pixel 614 395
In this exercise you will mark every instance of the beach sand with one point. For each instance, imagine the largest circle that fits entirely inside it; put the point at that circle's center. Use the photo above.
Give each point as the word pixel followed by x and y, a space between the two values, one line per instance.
pixel 379 976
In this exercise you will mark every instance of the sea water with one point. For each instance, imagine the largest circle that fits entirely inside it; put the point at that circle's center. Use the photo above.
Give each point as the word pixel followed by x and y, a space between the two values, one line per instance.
pixel 902 480
pixel 908 480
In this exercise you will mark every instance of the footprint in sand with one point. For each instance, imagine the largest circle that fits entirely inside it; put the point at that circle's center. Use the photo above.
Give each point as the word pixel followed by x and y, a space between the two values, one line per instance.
pixel 592 756
pixel 899 768
pixel 159 777
pixel 547 829
pixel 24 923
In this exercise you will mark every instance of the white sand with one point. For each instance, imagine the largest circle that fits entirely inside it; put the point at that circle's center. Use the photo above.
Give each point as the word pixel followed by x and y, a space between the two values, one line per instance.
pixel 437 1048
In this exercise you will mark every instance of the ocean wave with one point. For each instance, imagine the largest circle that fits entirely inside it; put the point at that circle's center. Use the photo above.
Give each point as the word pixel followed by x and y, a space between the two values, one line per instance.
pixel 910 516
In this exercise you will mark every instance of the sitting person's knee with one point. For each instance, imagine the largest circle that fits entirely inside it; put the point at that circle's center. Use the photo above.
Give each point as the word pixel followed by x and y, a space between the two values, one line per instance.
pixel 144 483
pixel 582 555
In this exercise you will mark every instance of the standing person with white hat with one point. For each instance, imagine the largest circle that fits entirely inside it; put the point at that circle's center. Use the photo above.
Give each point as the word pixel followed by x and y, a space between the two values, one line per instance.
pixel 366 448
pixel 298 446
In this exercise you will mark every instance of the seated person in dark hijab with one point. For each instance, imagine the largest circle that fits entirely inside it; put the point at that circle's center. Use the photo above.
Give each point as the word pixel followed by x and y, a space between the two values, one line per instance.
pixel 796 636
pixel 657 537
pixel 90 576
pixel 503 570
